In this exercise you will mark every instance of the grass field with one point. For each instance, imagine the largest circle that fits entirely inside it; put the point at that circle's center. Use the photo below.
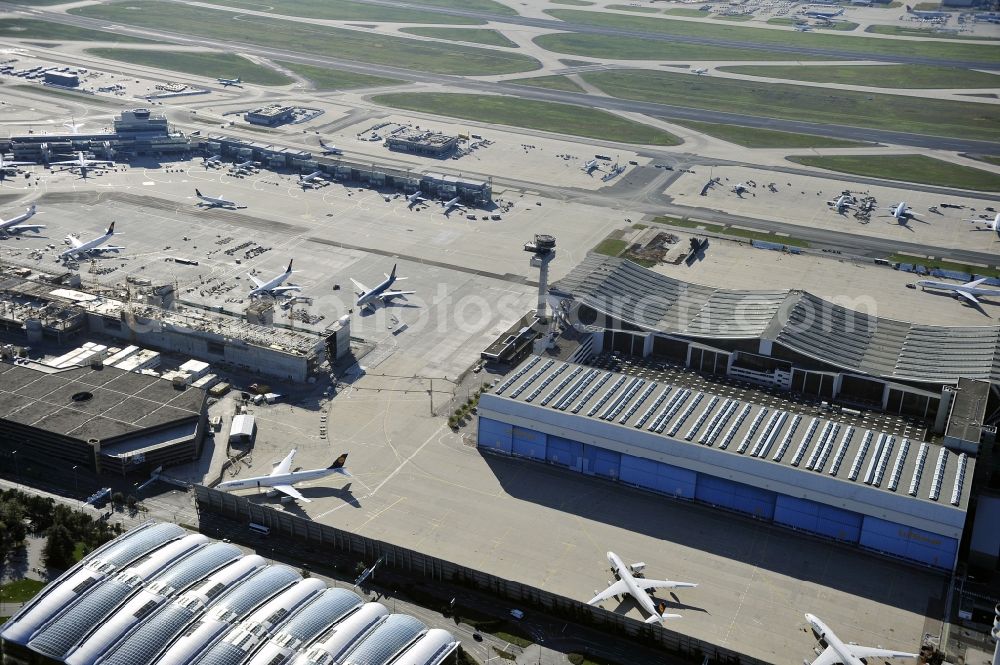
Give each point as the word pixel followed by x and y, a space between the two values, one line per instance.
pixel 944 265
pixel 746 234
pixel 918 32
pixel 477 35
pixel 92 100
pixel 335 79
pixel 751 137
pixel 630 8
pixel 611 247
pixel 346 10
pixel 477 5
pixel 599 46
pixel 213 64
pixel 812 104
pixel 21 591
pixel 907 168
pixel 732 17
pixel 845 43
pixel 27 28
pixel 530 114
pixel 574 3
pixel 550 82
pixel 686 11
pixel 437 57
pixel 877 76
pixel 989 159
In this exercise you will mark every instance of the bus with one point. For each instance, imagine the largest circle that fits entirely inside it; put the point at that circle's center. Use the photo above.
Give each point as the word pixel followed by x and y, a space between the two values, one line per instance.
pixel 260 529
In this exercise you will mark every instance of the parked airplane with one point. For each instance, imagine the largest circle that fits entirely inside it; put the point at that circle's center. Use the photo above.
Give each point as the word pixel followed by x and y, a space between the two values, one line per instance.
pixel 228 82
pixel 313 178
pixel 73 126
pixel 247 165
pixel 214 201
pixel 381 293
pixel 330 149
pixel 700 70
pixel 214 160
pixel 991 224
pixel 843 202
pixel 273 287
pixel 839 653
pixel 282 477
pixel 968 291
pixel 925 15
pixel 14 225
pixel 10 166
pixel 78 248
pixel 902 213
pixel 803 28
pixel 84 164
pixel 823 13
pixel 630 581
pixel 415 198
pixel 453 204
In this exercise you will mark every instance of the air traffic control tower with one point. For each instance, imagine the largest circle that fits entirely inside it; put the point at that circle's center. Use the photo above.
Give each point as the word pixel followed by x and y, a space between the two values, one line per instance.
pixel 543 250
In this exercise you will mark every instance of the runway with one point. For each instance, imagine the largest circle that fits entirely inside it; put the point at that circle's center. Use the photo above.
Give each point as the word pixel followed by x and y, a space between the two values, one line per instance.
pixel 466 84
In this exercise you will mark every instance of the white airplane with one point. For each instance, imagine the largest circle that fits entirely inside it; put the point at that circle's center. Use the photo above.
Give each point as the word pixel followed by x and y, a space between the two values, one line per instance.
pixel 803 28
pixel 823 13
pixel 590 166
pixel 249 164
pixel 631 582
pixel 84 164
pixel 214 160
pixel 838 653
pixel 282 477
pixel 228 82
pixel 991 224
pixel 843 202
pixel 968 291
pixel 313 178
pixel 73 125
pixel 214 201
pixel 273 287
pixel 453 204
pixel 925 15
pixel 415 198
pixel 10 166
pixel 14 225
pixel 699 70
pixel 381 293
pixel 330 149
pixel 91 246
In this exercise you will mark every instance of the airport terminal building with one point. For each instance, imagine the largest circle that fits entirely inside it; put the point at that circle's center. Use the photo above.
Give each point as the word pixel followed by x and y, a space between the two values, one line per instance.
pixel 864 431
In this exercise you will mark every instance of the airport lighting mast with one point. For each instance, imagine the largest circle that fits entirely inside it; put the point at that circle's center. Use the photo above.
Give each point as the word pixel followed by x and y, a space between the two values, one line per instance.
pixel 543 250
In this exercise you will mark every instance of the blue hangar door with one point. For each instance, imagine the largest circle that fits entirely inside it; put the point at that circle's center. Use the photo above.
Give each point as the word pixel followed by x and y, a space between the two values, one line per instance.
pixel 735 496
pixel 528 443
pixel 658 477
pixel 818 518
pixel 565 452
pixel 495 435
pixel 601 462
pixel 909 542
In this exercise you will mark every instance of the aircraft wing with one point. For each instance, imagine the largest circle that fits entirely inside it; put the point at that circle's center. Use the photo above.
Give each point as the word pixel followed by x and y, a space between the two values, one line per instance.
pixel 72 162
pixel 284 466
pixel 107 248
pixel 969 297
pixel 873 652
pixel 663 584
pixel 74 242
pixel 976 282
pixel 395 294
pixel 828 657
pixel 20 228
pixel 292 492
pixel 617 589
pixel 255 281
pixel 359 287
pixel 282 289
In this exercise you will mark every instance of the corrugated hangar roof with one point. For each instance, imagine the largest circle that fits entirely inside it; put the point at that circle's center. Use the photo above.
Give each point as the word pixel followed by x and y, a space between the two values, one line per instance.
pixel 245 602
pixel 86 403
pixel 859 458
pixel 800 321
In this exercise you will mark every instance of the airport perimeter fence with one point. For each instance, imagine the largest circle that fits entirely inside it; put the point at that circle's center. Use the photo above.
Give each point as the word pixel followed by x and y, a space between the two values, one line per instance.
pixel 429 568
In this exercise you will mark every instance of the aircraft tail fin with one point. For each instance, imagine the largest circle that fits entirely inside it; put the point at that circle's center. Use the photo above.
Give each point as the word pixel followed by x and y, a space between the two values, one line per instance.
pixel 392 275
pixel 197 191
pixel 338 465
pixel 289 268
pixel 31 209
pixel 111 229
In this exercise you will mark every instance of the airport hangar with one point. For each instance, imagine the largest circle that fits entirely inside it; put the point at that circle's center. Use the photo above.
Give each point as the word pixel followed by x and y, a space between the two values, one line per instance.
pixel 836 472
pixel 160 595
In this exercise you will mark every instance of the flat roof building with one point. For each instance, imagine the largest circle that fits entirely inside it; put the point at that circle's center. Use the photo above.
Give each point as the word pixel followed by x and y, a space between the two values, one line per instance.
pixel 428 144
pixel 270 116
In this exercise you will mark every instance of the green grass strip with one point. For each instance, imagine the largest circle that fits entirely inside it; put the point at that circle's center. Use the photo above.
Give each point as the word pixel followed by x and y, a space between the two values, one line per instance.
pixel 530 114
pixel 29 28
pixel 907 168
pixel 477 35
pixel 876 76
pixel 549 82
pixel 213 64
pixel 437 57
pixel 346 10
pixel 325 78
pixel 753 137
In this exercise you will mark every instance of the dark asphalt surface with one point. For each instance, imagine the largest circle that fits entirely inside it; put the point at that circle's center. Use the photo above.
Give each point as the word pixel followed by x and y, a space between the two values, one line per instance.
pixel 664 111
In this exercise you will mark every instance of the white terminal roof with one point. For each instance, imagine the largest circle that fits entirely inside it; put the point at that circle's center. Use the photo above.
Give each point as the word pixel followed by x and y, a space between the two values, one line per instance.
pixel 872 472
pixel 159 595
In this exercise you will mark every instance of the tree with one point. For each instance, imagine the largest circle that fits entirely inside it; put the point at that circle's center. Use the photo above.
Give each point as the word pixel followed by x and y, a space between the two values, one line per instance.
pixel 118 500
pixel 132 503
pixel 59 546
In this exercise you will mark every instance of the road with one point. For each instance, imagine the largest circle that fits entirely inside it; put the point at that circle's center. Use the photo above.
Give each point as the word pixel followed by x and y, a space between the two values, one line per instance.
pixel 467 84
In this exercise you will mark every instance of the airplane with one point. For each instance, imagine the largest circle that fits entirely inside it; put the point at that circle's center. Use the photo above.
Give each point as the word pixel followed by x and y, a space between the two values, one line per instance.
pixel 632 583
pixel 214 201
pixel 84 163
pixel 368 572
pixel 843 202
pixel 314 178
pixel 902 213
pixel 13 225
pixel 381 293
pixel 453 204
pixel 803 28
pixel 968 291
pixel 282 477
pixel 91 246
pixel 330 149
pixel 415 198
pixel 699 70
pixel 214 160
pixel 249 164
pixel 839 653
pixel 73 126
pixel 228 82
pixel 273 287
pixel 991 224
pixel 10 166
pixel 823 13
pixel 590 166
pixel 926 16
